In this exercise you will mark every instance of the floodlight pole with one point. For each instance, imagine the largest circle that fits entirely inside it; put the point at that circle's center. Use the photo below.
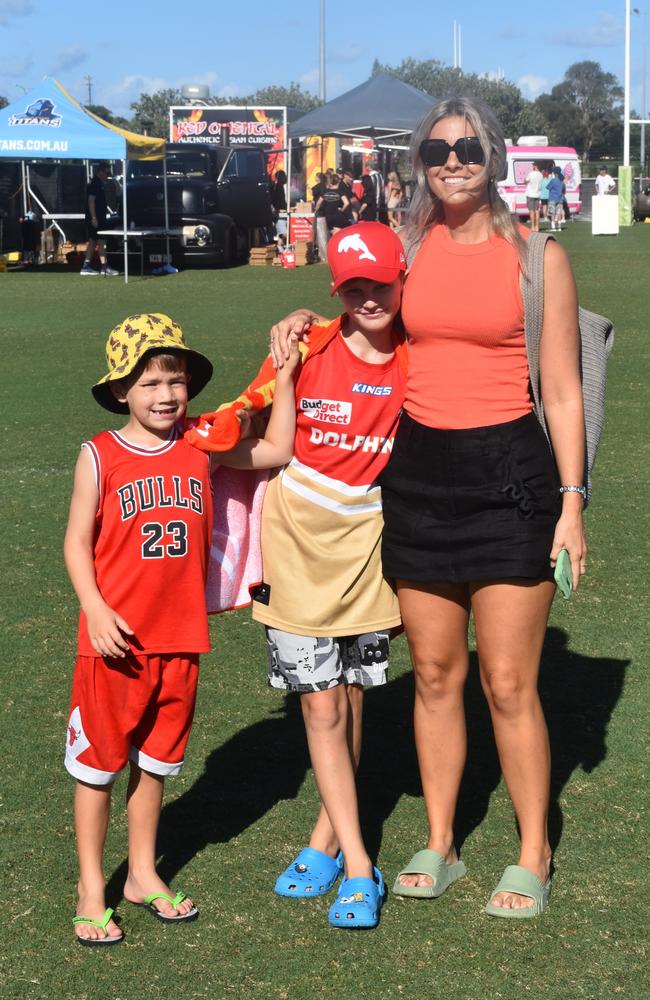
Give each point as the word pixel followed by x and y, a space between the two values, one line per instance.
pixel 644 109
pixel 321 89
pixel 626 105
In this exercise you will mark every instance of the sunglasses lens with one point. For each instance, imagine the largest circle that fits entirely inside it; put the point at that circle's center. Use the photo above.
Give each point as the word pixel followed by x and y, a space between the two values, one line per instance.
pixel 435 152
pixel 469 150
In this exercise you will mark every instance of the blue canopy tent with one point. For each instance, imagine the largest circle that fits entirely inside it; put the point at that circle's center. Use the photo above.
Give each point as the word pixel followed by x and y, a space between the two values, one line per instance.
pixel 48 124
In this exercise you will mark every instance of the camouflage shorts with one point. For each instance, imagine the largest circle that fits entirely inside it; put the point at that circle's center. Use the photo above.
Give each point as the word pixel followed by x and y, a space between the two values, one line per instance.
pixel 314 663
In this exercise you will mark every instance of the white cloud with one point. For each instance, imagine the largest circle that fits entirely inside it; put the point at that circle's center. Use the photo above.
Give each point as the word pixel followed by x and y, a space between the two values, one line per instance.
pixel 233 90
pixel 532 86
pixel 68 58
pixel 604 31
pixel 119 95
pixel 15 8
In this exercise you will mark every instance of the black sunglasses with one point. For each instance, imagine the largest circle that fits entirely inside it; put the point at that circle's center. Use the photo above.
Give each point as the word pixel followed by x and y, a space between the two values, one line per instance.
pixel 435 152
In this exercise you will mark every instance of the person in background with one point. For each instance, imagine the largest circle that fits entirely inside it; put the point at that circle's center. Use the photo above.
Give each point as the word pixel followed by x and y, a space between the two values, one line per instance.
pixel 96 212
pixel 346 188
pixel 279 204
pixel 379 187
pixel 335 205
pixel 394 198
pixel 555 195
pixel 534 181
pixel 321 234
pixel 368 206
pixel 604 183
pixel 543 195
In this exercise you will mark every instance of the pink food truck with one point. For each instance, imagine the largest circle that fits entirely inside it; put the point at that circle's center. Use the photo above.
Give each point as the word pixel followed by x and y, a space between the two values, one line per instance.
pixel 535 149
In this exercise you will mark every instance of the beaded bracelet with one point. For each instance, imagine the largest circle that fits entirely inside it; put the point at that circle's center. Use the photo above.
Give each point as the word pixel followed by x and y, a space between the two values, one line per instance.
pixel 575 489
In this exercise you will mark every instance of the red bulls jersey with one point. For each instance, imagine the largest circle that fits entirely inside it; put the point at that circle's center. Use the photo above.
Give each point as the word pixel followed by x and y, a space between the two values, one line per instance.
pixel 153 528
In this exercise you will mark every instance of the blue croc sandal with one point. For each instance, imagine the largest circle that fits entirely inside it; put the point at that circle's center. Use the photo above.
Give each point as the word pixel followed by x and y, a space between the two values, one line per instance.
pixel 359 902
pixel 312 873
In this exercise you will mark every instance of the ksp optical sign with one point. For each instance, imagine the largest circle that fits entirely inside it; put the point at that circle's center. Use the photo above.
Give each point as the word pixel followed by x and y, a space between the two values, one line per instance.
pixel 265 127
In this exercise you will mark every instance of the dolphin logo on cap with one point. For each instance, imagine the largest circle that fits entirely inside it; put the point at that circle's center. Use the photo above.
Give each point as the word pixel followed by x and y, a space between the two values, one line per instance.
pixel 354 242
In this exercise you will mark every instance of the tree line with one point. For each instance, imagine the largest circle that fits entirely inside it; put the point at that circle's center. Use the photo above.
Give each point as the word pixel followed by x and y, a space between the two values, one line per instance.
pixel 584 110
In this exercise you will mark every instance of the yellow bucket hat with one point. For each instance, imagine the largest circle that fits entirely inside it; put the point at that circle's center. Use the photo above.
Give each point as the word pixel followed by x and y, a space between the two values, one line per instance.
pixel 137 336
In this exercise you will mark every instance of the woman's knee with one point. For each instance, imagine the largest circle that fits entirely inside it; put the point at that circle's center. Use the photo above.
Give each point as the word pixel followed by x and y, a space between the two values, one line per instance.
pixel 509 691
pixel 438 677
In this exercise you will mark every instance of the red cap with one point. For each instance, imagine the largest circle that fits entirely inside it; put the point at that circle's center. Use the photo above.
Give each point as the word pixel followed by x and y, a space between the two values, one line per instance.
pixel 368 250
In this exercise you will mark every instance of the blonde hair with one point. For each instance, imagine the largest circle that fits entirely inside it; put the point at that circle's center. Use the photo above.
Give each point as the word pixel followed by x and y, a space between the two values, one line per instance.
pixel 426 210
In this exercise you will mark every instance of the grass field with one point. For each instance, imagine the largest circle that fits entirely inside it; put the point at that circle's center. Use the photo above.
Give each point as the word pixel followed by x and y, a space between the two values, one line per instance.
pixel 246 799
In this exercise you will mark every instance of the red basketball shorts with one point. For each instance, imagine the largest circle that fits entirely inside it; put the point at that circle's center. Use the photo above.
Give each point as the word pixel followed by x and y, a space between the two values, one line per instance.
pixel 138 709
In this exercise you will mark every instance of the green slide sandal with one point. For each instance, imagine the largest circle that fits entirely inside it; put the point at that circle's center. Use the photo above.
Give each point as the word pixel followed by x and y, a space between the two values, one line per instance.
pixel 433 864
pixel 524 883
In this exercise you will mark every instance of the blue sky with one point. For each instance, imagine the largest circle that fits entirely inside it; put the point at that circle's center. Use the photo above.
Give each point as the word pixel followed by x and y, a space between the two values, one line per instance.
pixel 131 47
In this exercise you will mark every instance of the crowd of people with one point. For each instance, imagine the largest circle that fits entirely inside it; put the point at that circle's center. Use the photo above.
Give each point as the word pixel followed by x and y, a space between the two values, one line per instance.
pixel 338 201
pixel 546 197
pixel 415 486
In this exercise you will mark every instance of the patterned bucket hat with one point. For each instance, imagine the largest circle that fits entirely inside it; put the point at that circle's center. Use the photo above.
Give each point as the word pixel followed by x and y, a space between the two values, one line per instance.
pixel 138 336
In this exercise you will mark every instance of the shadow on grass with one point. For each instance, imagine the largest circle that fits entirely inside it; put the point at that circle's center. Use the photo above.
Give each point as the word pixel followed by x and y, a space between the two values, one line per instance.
pixel 265 763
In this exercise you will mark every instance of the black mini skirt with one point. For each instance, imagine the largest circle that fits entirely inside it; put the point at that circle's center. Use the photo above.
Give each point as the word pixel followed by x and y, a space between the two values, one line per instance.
pixel 467 505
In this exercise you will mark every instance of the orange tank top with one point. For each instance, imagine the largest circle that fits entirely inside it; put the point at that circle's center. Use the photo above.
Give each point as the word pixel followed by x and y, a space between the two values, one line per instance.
pixel 463 312
pixel 152 538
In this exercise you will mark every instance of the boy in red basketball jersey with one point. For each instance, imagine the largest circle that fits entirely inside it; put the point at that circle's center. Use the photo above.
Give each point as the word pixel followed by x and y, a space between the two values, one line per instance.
pixel 136 549
pixel 327 608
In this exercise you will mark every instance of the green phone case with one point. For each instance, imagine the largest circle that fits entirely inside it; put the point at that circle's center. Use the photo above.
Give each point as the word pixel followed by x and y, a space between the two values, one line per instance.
pixel 563 574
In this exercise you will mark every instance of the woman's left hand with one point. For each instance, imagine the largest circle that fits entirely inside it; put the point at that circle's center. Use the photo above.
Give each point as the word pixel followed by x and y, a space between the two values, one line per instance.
pixel 570 535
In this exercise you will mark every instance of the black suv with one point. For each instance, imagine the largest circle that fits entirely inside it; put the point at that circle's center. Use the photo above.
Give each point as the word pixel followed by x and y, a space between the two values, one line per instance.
pixel 219 202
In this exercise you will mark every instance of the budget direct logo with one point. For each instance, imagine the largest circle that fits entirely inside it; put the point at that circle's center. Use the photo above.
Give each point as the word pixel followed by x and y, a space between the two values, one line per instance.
pixel 39 112
pixel 327 411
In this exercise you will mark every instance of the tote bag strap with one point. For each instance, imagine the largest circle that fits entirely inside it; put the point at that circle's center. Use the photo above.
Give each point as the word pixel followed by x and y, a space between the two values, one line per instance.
pixel 532 293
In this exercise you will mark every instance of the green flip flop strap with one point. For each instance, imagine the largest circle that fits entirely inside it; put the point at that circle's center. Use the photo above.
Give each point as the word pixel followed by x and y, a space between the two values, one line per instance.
pixel 172 900
pixel 103 923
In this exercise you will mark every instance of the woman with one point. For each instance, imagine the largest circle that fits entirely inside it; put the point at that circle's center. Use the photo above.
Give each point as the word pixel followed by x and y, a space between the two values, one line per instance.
pixel 394 198
pixel 476 507
pixel 335 205
pixel 368 207
pixel 279 205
